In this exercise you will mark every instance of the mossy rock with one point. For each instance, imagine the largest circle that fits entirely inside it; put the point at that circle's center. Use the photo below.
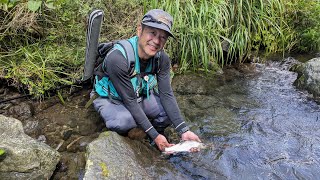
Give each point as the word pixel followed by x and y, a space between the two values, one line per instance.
pixel 300 82
pixel 298 68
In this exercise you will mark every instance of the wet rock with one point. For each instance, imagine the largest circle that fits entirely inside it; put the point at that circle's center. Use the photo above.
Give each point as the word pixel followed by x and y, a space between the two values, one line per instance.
pixel 288 63
pixel 85 141
pixel 309 77
pixel 61 167
pixel 112 156
pixel 31 127
pixel 70 166
pixel 109 157
pixel 21 111
pixel 298 68
pixel 42 139
pixel 26 157
pixel 195 84
pixel 203 102
pixel 67 134
pixel 247 68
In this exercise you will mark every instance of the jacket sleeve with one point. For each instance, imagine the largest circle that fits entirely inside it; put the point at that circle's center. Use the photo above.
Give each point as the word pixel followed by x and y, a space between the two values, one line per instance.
pixel 118 72
pixel 167 97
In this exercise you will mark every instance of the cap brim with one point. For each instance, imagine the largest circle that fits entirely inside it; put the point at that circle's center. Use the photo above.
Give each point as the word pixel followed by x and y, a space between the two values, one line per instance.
pixel 159 26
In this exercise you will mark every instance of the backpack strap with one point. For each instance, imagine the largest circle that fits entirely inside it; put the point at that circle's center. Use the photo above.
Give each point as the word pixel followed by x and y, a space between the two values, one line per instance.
pixel 156 62
pixel 104 49
pixel 129 51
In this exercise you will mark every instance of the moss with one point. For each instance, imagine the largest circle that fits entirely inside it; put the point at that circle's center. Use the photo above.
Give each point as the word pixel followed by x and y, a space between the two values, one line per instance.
pixel 300 82
pixel 298 68
pixel 2 154
pixel 106 133
pixel 104 169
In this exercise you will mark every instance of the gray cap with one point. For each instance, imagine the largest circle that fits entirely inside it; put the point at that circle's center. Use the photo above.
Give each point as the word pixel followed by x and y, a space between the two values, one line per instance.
pixel 158 18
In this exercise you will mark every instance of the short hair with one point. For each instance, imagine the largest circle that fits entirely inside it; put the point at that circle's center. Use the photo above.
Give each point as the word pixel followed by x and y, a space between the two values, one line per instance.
pixel 142 27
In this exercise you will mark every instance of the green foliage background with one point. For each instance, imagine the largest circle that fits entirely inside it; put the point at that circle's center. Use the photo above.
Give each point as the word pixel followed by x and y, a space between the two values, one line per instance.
pixel 42 42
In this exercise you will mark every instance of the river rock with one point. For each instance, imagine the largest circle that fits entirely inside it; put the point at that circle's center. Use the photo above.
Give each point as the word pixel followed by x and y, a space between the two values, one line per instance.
pixel 21 111
pixel 309 76
pixel 111 157
pixel 192 84
pixel 26 158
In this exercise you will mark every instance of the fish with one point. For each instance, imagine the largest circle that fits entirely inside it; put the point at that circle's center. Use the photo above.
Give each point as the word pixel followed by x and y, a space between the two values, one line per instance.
pixel 185 146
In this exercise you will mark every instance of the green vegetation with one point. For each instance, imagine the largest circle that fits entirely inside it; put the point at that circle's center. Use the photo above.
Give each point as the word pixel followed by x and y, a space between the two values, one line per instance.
pixel 2 152
pixel 205 29
pixel 104 169
pixel 42 42
pixel 303 19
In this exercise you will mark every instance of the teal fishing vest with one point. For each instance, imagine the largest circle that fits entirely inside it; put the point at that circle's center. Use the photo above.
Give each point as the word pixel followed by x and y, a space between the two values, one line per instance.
pixel 142 83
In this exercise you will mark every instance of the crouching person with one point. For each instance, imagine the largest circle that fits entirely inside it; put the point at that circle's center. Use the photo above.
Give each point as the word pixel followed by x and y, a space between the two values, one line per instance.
pixel 128 95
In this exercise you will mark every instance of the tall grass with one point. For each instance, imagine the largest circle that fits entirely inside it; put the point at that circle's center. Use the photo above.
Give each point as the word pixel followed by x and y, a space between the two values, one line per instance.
pixel 42 46
pixel 223 31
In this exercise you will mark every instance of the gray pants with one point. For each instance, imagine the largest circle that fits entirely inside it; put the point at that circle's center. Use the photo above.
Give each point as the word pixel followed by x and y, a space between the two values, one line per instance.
pixel 117 118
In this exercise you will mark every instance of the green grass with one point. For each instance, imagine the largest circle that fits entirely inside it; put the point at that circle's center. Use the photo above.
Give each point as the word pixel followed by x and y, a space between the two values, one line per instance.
pixel 44 48
pixel 203 27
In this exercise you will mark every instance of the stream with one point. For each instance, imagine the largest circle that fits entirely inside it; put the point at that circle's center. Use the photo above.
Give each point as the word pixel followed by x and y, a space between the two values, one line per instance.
pixel 260 125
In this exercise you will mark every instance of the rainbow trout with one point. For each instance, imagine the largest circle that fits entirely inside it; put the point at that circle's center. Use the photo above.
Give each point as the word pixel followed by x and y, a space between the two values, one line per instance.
pixel 185 146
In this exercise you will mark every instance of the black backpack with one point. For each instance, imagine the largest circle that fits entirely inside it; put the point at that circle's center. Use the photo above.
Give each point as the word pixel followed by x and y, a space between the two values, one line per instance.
pixel 103 50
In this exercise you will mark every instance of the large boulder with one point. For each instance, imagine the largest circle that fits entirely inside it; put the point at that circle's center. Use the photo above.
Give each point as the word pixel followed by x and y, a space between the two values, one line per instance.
pixel 309 76
pixel 111 157
pixel 25 158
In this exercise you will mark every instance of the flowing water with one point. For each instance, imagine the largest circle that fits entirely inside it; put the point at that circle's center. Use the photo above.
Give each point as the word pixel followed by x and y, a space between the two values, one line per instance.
pixel 259 126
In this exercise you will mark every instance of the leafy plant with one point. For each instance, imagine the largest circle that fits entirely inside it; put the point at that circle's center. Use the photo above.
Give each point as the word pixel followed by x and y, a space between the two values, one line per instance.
pixel 303 18
pixel 2 152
